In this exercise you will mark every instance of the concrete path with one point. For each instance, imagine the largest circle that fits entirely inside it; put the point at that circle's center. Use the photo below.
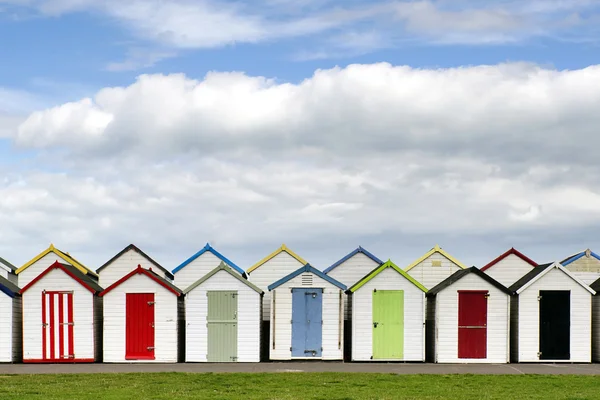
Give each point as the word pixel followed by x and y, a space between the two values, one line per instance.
pixel 278 367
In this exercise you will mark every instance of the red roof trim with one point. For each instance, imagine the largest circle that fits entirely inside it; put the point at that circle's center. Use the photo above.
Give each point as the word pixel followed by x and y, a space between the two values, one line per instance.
pixel 508 253
pixel 57 265
pixel 143 271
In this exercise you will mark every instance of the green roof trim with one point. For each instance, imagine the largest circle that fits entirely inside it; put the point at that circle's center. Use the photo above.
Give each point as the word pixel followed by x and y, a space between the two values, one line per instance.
pixel 376 271
pixel 230 271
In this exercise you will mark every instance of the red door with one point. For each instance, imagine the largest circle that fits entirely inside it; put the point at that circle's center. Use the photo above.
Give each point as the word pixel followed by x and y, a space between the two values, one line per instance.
pixel 57 326
pixel 139 326
pixel 472 323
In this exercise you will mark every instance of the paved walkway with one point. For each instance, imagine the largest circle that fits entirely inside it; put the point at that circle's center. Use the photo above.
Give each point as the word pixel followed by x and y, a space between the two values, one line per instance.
pixel 389 368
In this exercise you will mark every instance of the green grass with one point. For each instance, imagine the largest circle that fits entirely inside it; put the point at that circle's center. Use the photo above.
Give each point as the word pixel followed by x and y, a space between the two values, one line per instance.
pixel 328 386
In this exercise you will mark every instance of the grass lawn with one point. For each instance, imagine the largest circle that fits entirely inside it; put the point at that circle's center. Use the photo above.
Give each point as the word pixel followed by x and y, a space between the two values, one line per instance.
pixel 329 386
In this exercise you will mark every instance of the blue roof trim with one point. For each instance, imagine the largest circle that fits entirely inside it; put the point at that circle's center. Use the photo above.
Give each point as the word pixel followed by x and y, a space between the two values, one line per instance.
pixel 206 248
pixel 352 254
pixel 577 257
pixel 307 268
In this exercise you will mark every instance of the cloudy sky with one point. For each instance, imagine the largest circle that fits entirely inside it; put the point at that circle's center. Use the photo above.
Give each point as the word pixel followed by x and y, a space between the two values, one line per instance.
pixel 324 124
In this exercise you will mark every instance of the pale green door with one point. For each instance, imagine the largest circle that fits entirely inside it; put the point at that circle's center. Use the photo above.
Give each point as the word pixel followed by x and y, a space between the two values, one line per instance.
pixel 222 326
pixel 388 324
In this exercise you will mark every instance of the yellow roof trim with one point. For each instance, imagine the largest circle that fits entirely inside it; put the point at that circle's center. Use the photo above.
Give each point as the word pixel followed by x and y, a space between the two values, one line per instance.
pixel 61 254
pixel 273 254
pixel 436 249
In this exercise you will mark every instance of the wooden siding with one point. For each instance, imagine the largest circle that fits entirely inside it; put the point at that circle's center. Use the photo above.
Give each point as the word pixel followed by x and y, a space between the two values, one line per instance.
pixel 6 328
pixel 414 317
pixel 195 270
pixel 585 268
pixel 446 322
pixel 30 273
pixel 270 272
pixel 428 275
pixel 509 270
pixel 165 320
pixel 123 265
pixel 528 318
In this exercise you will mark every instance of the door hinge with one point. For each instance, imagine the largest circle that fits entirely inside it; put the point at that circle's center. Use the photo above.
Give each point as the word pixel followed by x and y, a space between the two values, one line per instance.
pixel 67 323
pixel 487 296
pixel 150 348
pixel 233 358
pixel 539 298
pixel 539 354
pixel 151 303
pixel 44 325
pixel 290 349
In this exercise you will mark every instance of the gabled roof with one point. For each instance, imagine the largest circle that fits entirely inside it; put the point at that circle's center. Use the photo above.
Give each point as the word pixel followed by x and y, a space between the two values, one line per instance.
pixel 536 273
pixel 83 279
pixel 381 268
pixel 596 285
pixel 462 273
pixel 7 266
pixel 283 248
pixel 8 287
pixel 436 249
pixel 209 248
pixel 150 274
pixel 511 251
pixel 140 252
pixel 577 256
pixel 66 256
pixel 307 268
pixel 226 268
pixel 352 254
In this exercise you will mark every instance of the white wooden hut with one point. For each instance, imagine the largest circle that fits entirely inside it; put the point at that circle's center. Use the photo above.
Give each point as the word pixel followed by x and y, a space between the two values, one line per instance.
pixel 585 265
pixel 200 264
pixel 10 322
pixel 596 321
pixel 551 316
pixel 509 267
pixel 38 264
pixel 126 261
pixel 142 314
pixel 388 316
pixel 223 317
pixel 433 267
pixel 307 316
pixel 469 321
pixel 8 271
pixel 62 316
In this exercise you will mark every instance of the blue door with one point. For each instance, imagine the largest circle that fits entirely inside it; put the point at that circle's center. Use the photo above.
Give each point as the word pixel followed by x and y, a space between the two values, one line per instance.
pixel 307 322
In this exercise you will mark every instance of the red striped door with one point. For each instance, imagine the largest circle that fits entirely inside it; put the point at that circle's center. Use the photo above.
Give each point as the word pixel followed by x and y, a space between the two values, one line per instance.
pixel 57 326
pixel 472 323
pixel 139 326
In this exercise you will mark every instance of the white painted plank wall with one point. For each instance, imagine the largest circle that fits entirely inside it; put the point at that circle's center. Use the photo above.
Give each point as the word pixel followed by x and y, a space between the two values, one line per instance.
pixel 83 317
pixel 446 322
pixel 249 320
pixel 123 265
pixel 6 328
pixel 414 317
pixel 596 328
pixel 165 320
pixel 196 269
pixel 428 275
pixel 509 270
pixel 31 272
pixel 581 312
pixel 270 272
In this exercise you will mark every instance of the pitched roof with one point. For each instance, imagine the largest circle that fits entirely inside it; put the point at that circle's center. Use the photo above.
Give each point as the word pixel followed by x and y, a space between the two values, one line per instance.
pixel 381 268
pixel 150 274
pixel 577 256
pixel 596 285
pixel 140 252
pixel 7 266
pixel 209 248
pixel 536 273
pixel 66 256
pixel 307 268
pixel 8 287
pixel 283 248
pixel 461 274
pixel 352 254
pixel 83 279
pixel 511 251
pixel 436 249
pixel 226 268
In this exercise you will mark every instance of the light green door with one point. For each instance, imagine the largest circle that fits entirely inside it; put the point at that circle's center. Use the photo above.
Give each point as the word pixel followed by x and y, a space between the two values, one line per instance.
pixel 222 326
pixel 388 324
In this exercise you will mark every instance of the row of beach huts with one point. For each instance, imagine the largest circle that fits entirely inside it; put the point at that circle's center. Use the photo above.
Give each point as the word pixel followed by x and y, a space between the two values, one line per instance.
pixel 54 309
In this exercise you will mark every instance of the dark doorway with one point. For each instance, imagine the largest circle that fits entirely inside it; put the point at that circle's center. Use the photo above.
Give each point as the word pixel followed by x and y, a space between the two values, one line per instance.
pixel 555 324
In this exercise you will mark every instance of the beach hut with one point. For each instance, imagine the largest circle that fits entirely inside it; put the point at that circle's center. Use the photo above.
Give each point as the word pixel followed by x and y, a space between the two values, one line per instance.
pixel 509 267
pixel 307 316
pixel 596 321
pixel 468 319
pixel 551 316
pixel 10 321
pixel 142 314
pixel 126 261
pixel 38 264
pixel 8 271
pixel 199 265
pixel 433 267
pixel 388 316
pixel 62 316
pixel 585 265
pixel 223 316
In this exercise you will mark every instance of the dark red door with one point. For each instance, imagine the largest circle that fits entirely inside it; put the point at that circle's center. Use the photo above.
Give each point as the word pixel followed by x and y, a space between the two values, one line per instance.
pixel 139 326
pixel 472 324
